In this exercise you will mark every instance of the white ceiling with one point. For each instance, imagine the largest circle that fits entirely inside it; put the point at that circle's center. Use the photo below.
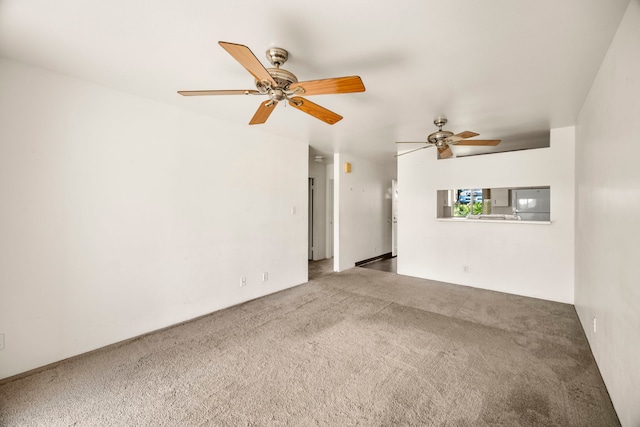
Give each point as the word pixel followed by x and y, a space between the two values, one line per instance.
pixel 506 69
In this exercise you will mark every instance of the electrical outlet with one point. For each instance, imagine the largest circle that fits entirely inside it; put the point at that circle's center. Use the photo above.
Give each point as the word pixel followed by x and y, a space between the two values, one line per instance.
pixel 465 268
pixel 243 281
pixel 1 341
pixel 595 329
pixel 265 276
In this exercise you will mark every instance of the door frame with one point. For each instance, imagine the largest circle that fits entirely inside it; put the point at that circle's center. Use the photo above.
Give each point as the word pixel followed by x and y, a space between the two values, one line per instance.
pixel 394 217
pixel 311 239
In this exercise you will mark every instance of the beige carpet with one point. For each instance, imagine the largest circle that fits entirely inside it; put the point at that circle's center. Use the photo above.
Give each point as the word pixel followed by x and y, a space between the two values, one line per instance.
pixel 362 347
pixel 320 268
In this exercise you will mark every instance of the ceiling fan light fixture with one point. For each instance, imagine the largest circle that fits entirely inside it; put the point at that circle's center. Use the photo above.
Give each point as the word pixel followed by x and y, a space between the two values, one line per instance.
pixel 277 95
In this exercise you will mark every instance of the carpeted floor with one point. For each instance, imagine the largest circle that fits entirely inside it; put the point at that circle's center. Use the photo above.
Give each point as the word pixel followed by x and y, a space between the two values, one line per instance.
pixel 320 268
pixel 361 347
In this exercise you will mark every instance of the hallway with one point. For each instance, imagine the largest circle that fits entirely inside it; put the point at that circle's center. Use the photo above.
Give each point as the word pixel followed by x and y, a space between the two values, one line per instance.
pixel 320 268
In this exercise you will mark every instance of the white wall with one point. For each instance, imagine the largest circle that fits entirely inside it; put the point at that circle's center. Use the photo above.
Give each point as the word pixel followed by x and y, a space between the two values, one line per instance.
pixel 318 171
pixel 121 216
pixel 526 259
pixel 362 206
pixel 608 203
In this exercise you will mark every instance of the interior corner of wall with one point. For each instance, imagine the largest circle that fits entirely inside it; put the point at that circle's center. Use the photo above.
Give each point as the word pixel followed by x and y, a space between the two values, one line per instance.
pixel 566 134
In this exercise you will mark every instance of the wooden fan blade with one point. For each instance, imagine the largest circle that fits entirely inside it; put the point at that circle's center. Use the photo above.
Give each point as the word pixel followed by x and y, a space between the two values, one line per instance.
pixel 460 136
pixel 478 142
pixel 466 134
pixel 327 86
pixel 411 151
pixel 248 60
pixel 315 110
pixel 217 92
pixel 264 111
pixel 445 152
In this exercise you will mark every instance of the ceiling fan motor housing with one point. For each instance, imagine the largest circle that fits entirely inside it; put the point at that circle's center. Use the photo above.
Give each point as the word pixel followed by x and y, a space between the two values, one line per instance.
pixel 278 56
pixel 283 80
pixel 283 77
pixel 439 136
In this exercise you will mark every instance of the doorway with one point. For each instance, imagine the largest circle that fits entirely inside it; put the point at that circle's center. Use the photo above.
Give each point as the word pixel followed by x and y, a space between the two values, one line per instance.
pixel 394 218
pixel 330 219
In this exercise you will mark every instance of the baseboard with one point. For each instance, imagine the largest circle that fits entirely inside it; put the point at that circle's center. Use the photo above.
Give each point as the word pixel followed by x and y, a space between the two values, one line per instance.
pixel 375 258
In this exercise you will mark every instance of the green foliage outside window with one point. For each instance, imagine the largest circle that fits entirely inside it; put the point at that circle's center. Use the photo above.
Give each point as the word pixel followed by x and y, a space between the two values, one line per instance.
pixel 462 209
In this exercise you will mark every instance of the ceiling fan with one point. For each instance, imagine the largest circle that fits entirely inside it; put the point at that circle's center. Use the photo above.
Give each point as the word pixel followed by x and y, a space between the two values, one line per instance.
pixel 282 85
pixel 443 139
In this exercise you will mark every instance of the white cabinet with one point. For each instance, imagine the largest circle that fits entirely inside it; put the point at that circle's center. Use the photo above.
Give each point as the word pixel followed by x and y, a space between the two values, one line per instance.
pixel 499 197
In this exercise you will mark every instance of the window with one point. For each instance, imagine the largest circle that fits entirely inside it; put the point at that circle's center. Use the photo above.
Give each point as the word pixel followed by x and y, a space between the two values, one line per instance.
pixel 469 201
pixel 509 203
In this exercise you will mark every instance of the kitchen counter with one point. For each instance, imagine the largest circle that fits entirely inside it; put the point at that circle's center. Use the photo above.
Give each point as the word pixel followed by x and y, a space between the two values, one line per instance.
pixel 492 220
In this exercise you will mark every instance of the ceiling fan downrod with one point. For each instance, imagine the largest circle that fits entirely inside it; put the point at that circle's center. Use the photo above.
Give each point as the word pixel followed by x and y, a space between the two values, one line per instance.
pixel 277 56
pixel 440 121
